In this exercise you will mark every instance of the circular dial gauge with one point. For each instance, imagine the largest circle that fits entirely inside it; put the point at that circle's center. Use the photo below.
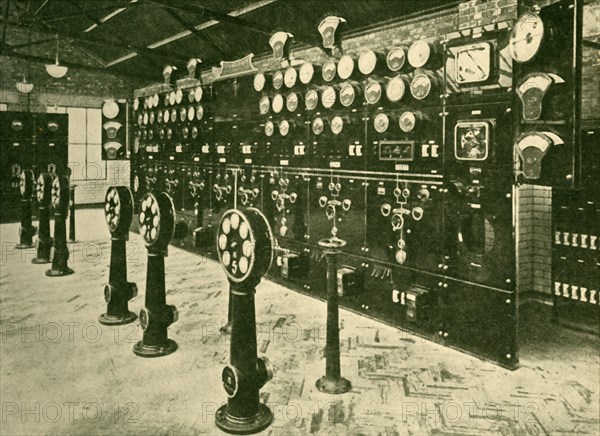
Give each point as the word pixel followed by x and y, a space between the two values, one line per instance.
pixel 140 119
pixel 161 133
pixel 159 117
pixel 345 67
pixel 145 118
pixel 420 87
pixel 278 103
pixel 317 126
pixel 395 89
pixel 136 104
pixel 179 96
pixel 328 71
pixel 166 115
pixel 526 37
pixel 172 98
pixel 312 99
pixel 284 128
pixel 259 82
pixel 110 109
pixel 244 244
pixel 419 53
pixel 182 114
pixel 264 105
pixel 173 115
pixel 407 121
pixel 396 58
pixel 291 102
pixel 185 133
pixel 367 62
pixel 156 219
pixel 198 93
pixel 347 94
pixel 147 103
pixel 373 92
pixel 277 80
pixel 151 117
pixel 191 113
pixel 155 100
pixel 199 112
pixel 191 96
pixel 307 72
pixel 337 125
pixel 194 132
pixel 269 128
pixel 166 100
pixel 290 77
pixel 381 123
pixel 328 97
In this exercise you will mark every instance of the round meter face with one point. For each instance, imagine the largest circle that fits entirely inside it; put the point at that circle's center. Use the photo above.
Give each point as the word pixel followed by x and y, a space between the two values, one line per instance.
pixel 337 125
pixel 199 112
pixel 291 102
pixel 278 103
pixel 395 89
pixel 345 67
pixel 191 96
pixel 155 100
pixel 284 128
pixel 166 115
pixel 381 123
pixel 269 128
pixel 182 114
pixel 145 118
pixel 179 96
pixel 347 94
pixel 264 105
pixel 112 209
pixel 317 126
pixel 166 100
pixel 307 72
pixel 328 71
pixel 312 99
pixel 420 87
pixel 259 82
pixel 278 80
pixel 328 97
pixel 407 121
pixel 191 113
pixel 367 62
pixel 149 219
pixel 290 77
pixel 151 117
pixel 198 94
pixel 419 53
pixel 173 115
pixel 136 104
pixel 526 37
pixel 373 92
pixel 159 117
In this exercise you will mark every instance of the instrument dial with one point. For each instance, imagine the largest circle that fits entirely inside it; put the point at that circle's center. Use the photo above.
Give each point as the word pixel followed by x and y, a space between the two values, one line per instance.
pixel 473 63
pixel 291 102
pixel 317 126
pixel 396 58
pixel 381 123
pixel 269 128
pixel 328 97
pixel 264 105
pixel 347 94
pixel 407 121
pixel 259 82
pixel 345 67
pixel 290 78
pixel 328 71
pixel 278 103
pixel 420 87
pixel 395 89
pixel 367 62
pixel 526 37
pixel 373 92
pixel 284 128
pixel 337 125
pixel 419 54
pixel 312 99
pixel 307 72
pixel 278 80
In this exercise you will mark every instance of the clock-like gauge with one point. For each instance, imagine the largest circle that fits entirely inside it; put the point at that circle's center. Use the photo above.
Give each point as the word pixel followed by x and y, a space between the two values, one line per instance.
pixel 395 89
pixel 199 112
pixel 145 118
pixel 284 128
pixel 396 58
pixel 169 133
pixel 166 100
pixel 149 103
pixel 264 105
pixel 473 63
pixel 373 92
pixel 166 115
pixel 191 96
pixel 191 113
pixel 277 80
pixel 194 132
pixel 532 90
pixel 179 96
pixel 407 121
pixel 173 115
pixel 277 103
pixel 292 101
pixel 420 87
pixel 290 77
pixel 381 123
pixel 140 119
pixel 269 128
pixel 185 132
pixel 157 220
pixel 159 117
pixel 312 99
pixel 419 54
pixel 317 126
pixel 151 117
pixel 367 62
pixel 155 100
pixel 328 97
pixel 172 98
pixel 259 82
pixel 307 72
pixel 182 114
pixel 329 70
pixel 151 134
pixel 345 67
pixel 337 125
pixel 347 94
pixel 198 94
pixel 136 103
pixel 161 133
pixel 526 37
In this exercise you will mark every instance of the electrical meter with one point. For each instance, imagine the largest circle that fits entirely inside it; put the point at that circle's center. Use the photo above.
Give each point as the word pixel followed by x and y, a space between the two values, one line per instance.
pixel 291 102
pixel 381 123
pixel 264 105
pixel 395 89
pixel 317 126
pixel 373 92
pixel 277 103
pixel 269 128
pixel 471 140
pixel 290 77
pixel 328 97
pixel 307 72
pixel 328 71
pixel 259 82
pixel 277 80
pixel 312 99
pixel 337 125
pixel 396 58
pixel 345 67
pixel 420 87
pixel 347 94
pixel 419 54
pixel 526 37
pixel 473 63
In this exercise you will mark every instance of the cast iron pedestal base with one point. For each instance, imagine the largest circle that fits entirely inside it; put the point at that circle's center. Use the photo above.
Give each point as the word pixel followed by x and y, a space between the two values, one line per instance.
pixel 142 350
pixel 40 260
pixel 59 272
pixel 106 319
pixel 257 423
pixel 334 386
pixel 25 246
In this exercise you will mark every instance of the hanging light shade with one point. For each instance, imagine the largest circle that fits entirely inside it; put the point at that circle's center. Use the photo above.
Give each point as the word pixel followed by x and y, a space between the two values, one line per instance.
pixel 56 70
pixel 24 86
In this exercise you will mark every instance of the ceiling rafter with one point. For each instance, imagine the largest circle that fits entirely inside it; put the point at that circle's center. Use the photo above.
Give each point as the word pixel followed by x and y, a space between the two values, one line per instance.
pixel 59 17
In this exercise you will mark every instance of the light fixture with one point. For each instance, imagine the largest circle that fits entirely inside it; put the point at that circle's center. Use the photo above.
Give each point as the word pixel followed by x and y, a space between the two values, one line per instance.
pixel 24 86
pixel 55 70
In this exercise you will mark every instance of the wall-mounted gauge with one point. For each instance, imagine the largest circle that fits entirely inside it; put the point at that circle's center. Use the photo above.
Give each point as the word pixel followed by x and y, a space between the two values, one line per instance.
pixel 118 209
pixel 473 63
pixel 292 101
pixel 307 73
pixel 269 128
pixel 328 97
pixel 277 80
pixel 526 37
pixel 151 134
pixel 191 113
pixel 532 147
pixel 373 92
pixel 140 119
pixel 167 115
pixel 532 90
pixel 169 133
pixel 317 126
pixel 396 58
pixel 166 101
pixel 381 123
pixel 136 103
pixel 395 89
pixel 345 67
pixel 337 125
pixel 264 105
pixel 151 117
pixel 185 133
pixel 347 94
pixel 312 100
pixel 145 119
pixel 277 103
pixel 110 109
pixel 328 71
pixel 157 220
pixel 290 77
pixel 178 96
pixel 182 114
pixel 161 133
pixel 259 82
pixel 173 115
pixel 172 98
pixel 195 132
pixel 421 54
pixel 472 140
pixel 284 127
pixel 407 121
pixel 159 117
pixel 368 61
pixel 155 100
pixel 420 86
pixel 198 94
pixel 199 112
pixel 191 96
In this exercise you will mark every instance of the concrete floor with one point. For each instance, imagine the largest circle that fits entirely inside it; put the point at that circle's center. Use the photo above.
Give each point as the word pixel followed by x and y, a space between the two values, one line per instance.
pixel 63 373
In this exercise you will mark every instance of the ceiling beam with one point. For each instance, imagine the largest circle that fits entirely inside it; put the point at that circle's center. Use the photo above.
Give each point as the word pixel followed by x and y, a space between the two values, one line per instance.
pixel 59 17
pixel 38 42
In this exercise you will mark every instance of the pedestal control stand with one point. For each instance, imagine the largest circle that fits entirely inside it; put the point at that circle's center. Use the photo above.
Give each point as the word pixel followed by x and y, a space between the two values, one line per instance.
pixel 27 230
pixel 332 382
pixel 60 252
pixel 118 212
pixel 157 224
pixel 245 249
pixel 44 198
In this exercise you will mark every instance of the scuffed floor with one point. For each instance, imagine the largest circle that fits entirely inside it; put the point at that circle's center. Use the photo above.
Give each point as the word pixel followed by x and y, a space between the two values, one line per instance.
pixel 63 373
